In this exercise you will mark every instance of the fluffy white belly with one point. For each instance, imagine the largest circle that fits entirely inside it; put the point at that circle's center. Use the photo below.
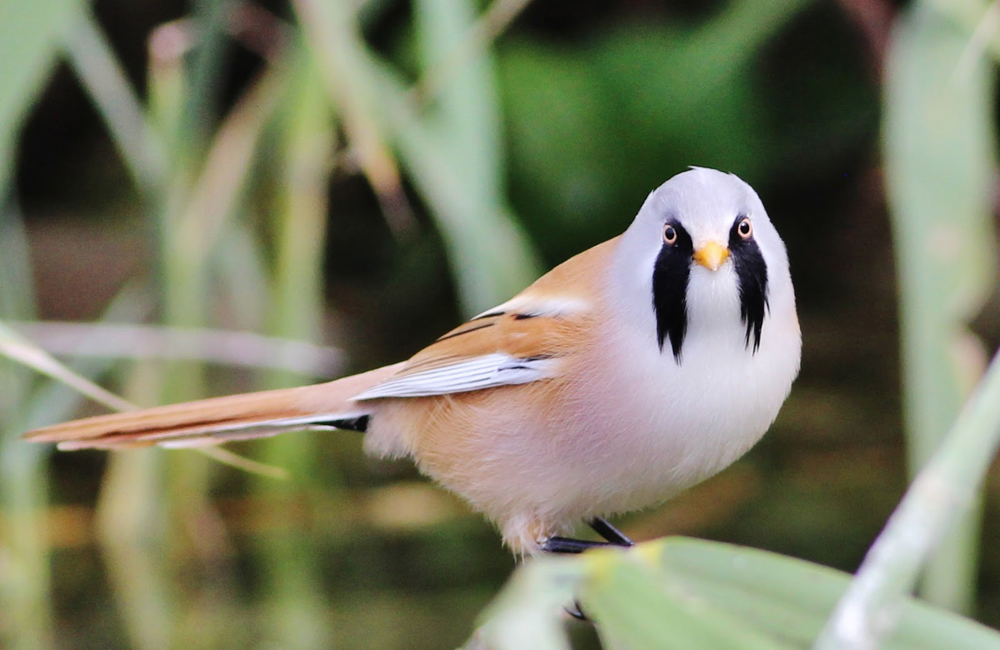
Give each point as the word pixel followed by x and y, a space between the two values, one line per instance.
pixel 652 426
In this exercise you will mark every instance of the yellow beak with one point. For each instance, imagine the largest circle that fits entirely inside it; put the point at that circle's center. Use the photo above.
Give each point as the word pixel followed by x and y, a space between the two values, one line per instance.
pixel 711 255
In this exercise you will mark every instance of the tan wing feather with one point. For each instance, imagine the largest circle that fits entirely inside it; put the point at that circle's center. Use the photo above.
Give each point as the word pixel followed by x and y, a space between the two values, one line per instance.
pixel 531 325
pixel 513 333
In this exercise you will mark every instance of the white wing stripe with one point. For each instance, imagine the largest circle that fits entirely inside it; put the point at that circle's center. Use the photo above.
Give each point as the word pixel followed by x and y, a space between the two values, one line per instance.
pixel 485 371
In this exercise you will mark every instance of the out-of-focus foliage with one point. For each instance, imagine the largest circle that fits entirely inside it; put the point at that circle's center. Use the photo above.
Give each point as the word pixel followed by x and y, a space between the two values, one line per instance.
pixel 362 174
pixel 29 42
pixel 661 96
pixel 940 144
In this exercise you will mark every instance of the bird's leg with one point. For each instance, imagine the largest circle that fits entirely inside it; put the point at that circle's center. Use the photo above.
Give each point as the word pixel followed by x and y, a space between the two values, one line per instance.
pixel 601 526
pixel 609 532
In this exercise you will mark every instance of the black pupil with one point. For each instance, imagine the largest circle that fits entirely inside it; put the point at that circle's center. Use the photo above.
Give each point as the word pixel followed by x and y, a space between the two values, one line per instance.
pixel 670 234
pixel 744 228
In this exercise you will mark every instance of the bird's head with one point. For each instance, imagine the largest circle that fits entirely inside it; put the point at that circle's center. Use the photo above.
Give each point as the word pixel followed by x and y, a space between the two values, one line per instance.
pixel 703 242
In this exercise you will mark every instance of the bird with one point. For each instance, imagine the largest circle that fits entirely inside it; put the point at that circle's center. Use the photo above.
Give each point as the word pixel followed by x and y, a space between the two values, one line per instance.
pixel 626 374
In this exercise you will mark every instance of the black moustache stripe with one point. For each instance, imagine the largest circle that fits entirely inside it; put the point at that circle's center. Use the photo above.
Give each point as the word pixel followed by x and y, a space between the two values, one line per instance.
pixel 670 281
pixel 672 271
pixel 752 273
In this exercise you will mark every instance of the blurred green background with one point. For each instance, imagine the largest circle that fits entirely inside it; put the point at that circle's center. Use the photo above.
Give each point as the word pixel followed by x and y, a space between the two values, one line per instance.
pixel 359 176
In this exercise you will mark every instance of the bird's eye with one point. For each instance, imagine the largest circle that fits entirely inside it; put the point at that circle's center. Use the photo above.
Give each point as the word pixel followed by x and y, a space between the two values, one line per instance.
pixel 745 228
pixel 669 234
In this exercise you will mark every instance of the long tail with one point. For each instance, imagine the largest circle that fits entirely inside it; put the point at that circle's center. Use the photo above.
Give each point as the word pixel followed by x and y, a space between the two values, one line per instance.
pixel 221 419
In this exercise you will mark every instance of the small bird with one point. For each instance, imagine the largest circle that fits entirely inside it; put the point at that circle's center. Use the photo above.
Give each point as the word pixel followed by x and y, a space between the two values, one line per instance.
pixel 624 375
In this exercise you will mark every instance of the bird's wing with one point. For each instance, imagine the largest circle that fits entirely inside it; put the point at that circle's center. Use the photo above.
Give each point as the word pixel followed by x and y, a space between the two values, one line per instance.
pixel 528 338
pixel 513 344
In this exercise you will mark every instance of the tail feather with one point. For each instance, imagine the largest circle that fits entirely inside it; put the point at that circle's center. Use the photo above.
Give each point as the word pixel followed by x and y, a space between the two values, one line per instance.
pixel 220 419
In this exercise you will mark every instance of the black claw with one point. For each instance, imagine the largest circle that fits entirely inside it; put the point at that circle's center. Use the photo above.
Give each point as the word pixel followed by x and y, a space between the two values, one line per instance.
pixel 577 612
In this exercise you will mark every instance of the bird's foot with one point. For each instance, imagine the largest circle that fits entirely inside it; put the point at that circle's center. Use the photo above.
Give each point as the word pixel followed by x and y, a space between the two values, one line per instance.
pixel 612 535
pixel 570 545
pixel 609 532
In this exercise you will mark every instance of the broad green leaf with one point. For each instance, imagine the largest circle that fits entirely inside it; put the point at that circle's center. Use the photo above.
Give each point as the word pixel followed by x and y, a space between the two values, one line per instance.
pixel 687 593
pixel 637 602
pixel 790 599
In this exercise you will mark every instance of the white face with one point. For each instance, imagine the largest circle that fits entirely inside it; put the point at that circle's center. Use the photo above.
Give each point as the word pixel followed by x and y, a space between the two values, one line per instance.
pixel 702 250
